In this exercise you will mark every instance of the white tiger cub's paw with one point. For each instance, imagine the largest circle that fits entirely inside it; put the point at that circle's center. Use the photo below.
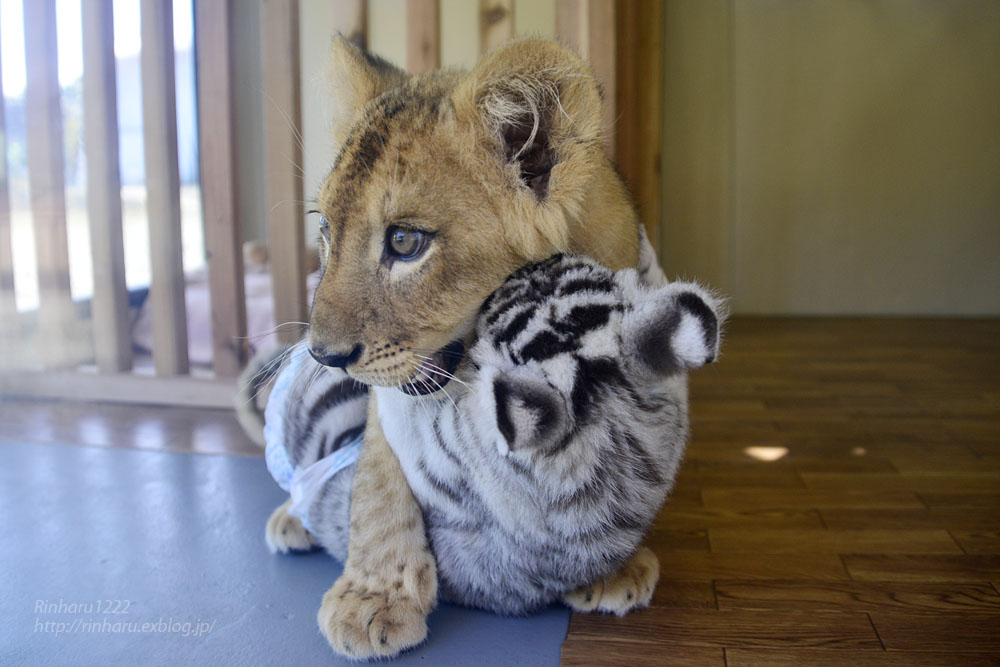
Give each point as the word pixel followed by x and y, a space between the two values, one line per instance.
pixel 286 533
pixel 631 587
pixel 369 614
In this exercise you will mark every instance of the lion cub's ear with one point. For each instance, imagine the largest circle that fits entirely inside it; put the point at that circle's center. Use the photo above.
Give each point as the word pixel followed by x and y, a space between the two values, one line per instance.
pixel 356 77
pixel 540 105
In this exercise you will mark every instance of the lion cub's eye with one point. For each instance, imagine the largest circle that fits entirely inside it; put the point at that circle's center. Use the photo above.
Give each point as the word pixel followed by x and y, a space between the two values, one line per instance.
pixel 324 227
pixel 404 243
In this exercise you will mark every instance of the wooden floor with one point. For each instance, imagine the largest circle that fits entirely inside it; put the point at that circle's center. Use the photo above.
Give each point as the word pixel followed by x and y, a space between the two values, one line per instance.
pixel 839 505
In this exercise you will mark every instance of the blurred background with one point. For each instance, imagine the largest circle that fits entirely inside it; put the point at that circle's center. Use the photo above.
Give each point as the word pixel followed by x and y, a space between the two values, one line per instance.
pixel 831 165
pixel 805 158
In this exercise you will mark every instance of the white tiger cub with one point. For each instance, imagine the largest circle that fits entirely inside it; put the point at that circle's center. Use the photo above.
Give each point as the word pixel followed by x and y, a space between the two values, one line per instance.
pixel 540 467
pixel 543 472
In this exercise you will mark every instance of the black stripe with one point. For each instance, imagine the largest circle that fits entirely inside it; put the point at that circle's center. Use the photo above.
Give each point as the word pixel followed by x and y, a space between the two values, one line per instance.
pixel 515 326
pixel 562 444
pixel 501 399
pixel 519 467
pixel 437 483
pixel 646 469
pixel 647 404
pixel 654 343
pixel 344 438
pixel 628 521
pixel 587 318
pixel 441 442
pixel 586 495
pixel 709 322
pixel 601 284
pixel 592 376
pixel 501 301
pixel 545 345
pixel 341 392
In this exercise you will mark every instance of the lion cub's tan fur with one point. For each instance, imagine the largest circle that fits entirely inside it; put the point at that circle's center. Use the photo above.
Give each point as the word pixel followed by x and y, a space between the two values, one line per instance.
pixel 503 166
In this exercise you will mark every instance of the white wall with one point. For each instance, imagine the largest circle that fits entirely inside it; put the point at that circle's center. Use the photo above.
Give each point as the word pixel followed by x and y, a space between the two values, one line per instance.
pixel 831 157
pixel 820 157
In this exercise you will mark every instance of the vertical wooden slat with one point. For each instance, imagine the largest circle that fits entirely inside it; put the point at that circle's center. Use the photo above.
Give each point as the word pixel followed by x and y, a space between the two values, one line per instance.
pixel 589 27
pixel 601 53
pixel 112 338
pixel 170 353
pixel 423 36
pixel 223 237
pixel 496 23
pixel 350 19
pixel 640 108
pixel 8 305
pixel 571 23
pixel 282 120
pixel 43 125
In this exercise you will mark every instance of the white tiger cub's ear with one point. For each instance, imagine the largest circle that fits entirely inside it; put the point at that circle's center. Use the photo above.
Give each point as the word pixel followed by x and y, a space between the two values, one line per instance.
pixel 356 77
pixel 676 328
pixel 530 414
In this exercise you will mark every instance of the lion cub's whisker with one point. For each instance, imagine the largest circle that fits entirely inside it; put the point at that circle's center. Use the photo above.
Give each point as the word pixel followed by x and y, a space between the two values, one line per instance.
pixel 438 370
pixel 428 378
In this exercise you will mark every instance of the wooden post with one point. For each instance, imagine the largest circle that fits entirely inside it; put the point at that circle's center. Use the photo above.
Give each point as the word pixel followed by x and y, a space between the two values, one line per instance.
pixel 223 237
pixel 423 36
pixel 496 23
pixel 589 27
pixel 43 125
pixel 112 336
pixel 170 349
pixel 350 19
pixel 282 122
pixel 640 107
pixel 9 329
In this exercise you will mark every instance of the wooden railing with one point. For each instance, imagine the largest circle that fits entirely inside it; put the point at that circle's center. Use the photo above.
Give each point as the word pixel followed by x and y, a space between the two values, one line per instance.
pixel 589 25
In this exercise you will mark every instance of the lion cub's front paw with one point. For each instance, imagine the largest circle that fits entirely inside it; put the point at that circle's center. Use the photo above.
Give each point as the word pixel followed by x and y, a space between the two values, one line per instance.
pixel 631 587
pixel 368 614
pixel 286 533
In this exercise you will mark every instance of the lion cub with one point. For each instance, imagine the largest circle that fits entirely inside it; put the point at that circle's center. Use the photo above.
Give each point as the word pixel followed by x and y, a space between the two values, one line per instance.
pixel 444 185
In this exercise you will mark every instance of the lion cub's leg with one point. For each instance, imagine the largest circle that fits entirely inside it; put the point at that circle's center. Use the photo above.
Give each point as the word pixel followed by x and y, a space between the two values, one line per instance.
pixel 631 587
pixel 379 605
pixel 286 533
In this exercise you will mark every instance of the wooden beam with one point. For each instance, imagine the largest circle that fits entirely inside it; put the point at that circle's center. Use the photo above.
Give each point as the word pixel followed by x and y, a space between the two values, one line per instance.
pixel 223 236
pixel 112 334
pixel 163 204
pixel 120 388
pixel 589 27
pixel 8 305
pixel 496 23
pixel 698 184
pixel 282 123
pixel 570 24
pixel 350 19
pixel 43 126
pixel 423 36
pixel 639 130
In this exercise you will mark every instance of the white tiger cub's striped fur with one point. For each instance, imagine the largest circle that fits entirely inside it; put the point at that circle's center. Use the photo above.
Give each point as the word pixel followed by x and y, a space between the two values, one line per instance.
pixel 542 473
pixel 541 467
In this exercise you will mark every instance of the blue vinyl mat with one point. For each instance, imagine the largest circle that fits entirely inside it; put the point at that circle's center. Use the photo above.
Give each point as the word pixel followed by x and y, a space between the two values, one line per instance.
pixel 114 556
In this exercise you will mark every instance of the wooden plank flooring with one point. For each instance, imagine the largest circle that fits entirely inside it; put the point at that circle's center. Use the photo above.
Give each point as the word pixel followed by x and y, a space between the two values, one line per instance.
pixel 871 538
pixel 839 504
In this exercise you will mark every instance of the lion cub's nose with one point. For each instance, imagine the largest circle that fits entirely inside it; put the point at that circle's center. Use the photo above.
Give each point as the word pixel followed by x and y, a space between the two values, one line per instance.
pixel 328 358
